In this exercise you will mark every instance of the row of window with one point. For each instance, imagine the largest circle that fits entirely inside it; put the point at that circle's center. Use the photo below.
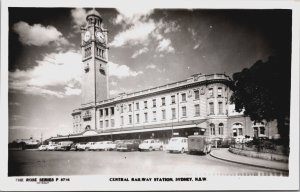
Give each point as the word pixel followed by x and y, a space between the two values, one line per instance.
pixel 212 108
pixel 111 110
pixel 106 111
pixel 100 52
pixel 220 130
pixel 211 92
pixel 163 103
pixel 163 115
pixel 112 123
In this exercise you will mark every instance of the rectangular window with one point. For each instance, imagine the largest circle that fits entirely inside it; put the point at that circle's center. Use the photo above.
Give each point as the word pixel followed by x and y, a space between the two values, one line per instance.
pixel 211 92
pixel 145 105
pixel 101 112
pixel 112 110
pixel 112 122
pixel 154 115
pixel 137 106
pixel 137 118
pixel 211 108
pixel 154 102
pixel 163 113
pixel 197 96
pixel 173 99
pixel 106 123
pixel 130 119
pixel 183 111
pixel 220 108
pixel 173 113
pixel 129 106
pixel 122 109
pixel 183 97
pixel 122 120
pixel 106 111
pixel 197 110
pixel 220 92
pixel 101 124
pixel 146 117
pixel 163 101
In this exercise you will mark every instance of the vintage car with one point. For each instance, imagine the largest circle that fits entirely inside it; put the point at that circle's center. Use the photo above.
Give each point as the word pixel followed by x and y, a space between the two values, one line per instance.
pixel 64 146
pixel 43 148
pixel 89 146
pixel 199 144
pixel 52 147
pixel 96 146
pixel 129 145
pixel 73 147
pixel 108 145
pixel 150 145
pixel 177 144
pixel 81 146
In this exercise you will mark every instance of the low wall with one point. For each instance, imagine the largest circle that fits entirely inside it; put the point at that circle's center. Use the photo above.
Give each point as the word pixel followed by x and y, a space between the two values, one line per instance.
pixel 254 154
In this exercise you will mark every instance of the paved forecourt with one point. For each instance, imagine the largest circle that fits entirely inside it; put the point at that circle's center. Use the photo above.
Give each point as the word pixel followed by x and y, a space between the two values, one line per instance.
pixel 40 163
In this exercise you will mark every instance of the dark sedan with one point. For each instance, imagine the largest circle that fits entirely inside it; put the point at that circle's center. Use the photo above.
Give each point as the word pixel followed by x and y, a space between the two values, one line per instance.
pixel 129 145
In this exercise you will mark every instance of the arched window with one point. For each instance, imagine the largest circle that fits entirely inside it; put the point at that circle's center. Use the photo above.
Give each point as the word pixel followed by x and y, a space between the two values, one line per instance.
pixel 221 128
pixel 212 129
pixel 88 127
pixel 237 129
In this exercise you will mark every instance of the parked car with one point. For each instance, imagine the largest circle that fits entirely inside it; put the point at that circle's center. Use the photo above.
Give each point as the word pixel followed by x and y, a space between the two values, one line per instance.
pixel 43 148
pixel 107 146
pixel 73 147
pixel 96 146
pixel 81 146
pixel 199 144
pixel 89 146
pixel 52 147
pixel 129 145
pixel 177 144
pixel 118 144
pixel 64 145
pixel 151 144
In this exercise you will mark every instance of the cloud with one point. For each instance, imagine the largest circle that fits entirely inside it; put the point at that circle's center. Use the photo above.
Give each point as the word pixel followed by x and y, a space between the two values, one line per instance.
pixel 38 34
pixel 165 46
pixel 78 18
pixel 131 14
pixel 151 66
pixel 122 71
pixel 136 34
pixel 139 52
pixel 57 74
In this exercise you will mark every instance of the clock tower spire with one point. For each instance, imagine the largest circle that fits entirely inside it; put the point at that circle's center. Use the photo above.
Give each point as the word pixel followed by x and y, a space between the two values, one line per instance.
pixel 94 59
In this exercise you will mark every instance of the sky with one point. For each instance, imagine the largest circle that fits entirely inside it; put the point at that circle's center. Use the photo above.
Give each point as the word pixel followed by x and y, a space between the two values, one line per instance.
pixel 147 48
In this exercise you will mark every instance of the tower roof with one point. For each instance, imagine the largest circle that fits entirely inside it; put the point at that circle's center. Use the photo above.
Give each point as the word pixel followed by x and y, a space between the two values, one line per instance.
pixel 94 13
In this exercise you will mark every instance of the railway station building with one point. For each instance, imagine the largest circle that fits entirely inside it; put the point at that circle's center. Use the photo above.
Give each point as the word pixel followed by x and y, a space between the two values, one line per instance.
pixel 198 104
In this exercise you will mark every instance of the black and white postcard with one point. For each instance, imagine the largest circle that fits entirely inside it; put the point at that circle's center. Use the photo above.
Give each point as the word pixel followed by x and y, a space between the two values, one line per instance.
pixel 149 95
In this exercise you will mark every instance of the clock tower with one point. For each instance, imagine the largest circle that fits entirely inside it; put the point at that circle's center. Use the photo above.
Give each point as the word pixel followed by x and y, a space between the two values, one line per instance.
pixel 94 52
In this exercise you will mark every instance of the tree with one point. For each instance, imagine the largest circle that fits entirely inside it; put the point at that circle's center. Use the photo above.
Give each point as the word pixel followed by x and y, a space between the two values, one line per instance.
pixel 263 92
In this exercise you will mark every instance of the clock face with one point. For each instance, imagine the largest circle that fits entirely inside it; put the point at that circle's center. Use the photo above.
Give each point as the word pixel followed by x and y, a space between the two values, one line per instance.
pixel 87 36
pixel 100 36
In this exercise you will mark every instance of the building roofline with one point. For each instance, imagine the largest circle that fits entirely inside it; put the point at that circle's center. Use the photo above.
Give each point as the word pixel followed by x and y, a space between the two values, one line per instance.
pixel 193 80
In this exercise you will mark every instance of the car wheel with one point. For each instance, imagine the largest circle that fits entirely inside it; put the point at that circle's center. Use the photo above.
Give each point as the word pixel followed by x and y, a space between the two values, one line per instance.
pixel 86 149
pixel 150 148
pixel 161 148
pixel 182 150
